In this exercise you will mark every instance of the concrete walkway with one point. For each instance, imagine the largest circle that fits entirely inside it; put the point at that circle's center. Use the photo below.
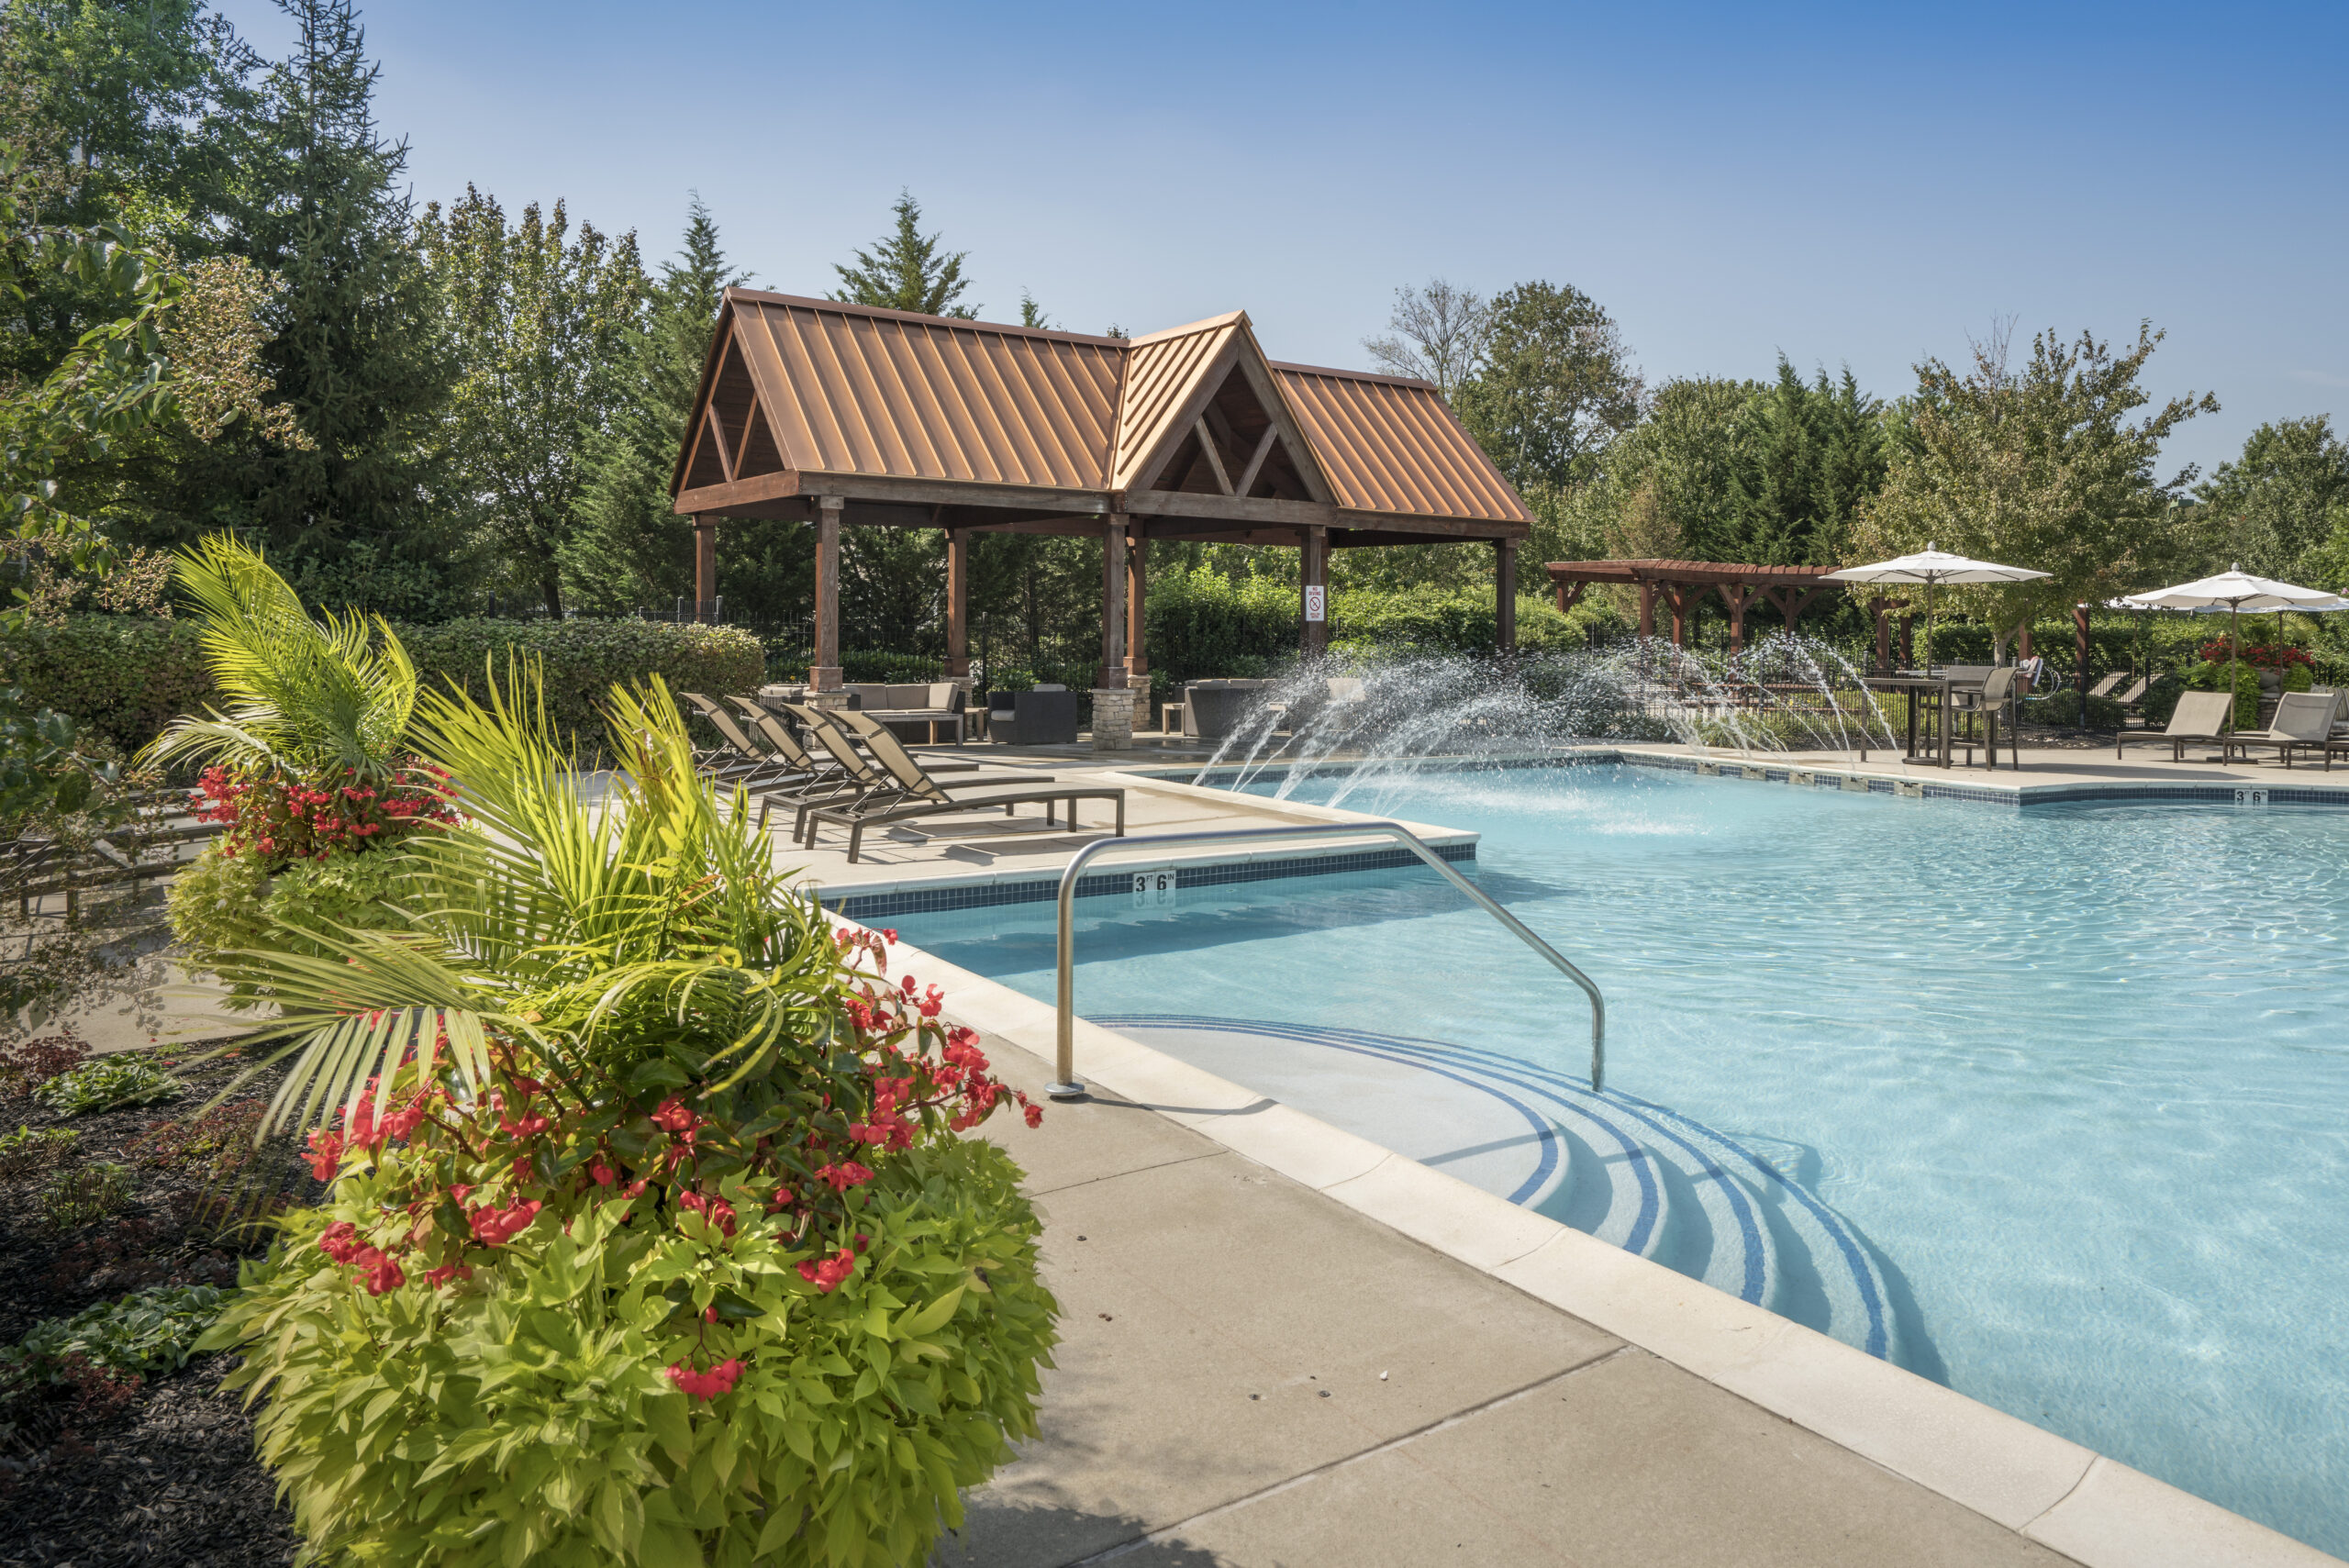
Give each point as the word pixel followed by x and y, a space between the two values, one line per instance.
pixel 1254 1373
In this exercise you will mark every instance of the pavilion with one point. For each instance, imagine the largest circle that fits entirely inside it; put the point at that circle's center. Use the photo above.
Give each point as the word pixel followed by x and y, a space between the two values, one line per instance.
pixel 845 416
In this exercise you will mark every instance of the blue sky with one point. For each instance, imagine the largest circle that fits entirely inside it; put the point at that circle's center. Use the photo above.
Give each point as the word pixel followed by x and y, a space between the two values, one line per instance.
pixel 1860 186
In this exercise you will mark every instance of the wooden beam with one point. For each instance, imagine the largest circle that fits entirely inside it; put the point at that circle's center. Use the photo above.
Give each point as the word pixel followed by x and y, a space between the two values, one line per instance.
pixel 1453 528
pixel 724 499
pixel 1230 508
pixel 1569 594
pixel 1737 598
pixel 724 457
pixel 1505 594
pixel 705 565
pixel 824 671
pixel 1313 574
pixel 1215 458
pixel 1256 459
pixel 958 602
pixel 1137 584
pixel 1112 673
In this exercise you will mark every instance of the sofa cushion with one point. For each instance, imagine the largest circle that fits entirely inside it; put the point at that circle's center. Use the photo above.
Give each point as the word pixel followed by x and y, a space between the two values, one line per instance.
pixel 868 695
pixel 908 696
pixel 944 694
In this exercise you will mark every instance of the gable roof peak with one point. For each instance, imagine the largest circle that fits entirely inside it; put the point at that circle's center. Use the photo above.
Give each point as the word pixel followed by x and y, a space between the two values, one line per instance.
pixel 1212 324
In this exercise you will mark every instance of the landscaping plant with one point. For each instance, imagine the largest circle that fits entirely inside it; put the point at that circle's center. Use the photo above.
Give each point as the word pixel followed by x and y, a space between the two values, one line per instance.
pixel 108 1083
pixel 309 775
pixel 651 1236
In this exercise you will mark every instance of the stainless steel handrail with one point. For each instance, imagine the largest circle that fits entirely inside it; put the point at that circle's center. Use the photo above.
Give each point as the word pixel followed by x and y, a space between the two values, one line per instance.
pixel 1069 1087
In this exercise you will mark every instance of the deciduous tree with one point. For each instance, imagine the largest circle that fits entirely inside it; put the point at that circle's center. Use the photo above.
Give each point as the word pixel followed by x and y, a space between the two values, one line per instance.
pixel 540 321
pixel 1437 333
pixel 1555 386
pixel 2277 507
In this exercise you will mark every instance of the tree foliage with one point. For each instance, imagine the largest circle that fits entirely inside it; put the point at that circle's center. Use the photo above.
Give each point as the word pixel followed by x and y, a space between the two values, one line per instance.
pixel 539 322
pixel 2040 467
pixel 2279 508
pixel 1436 333
pixel 905 270
pixel 1554 386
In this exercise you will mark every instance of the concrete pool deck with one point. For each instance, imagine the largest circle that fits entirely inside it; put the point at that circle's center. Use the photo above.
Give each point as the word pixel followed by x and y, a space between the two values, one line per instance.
pixel 1547 1397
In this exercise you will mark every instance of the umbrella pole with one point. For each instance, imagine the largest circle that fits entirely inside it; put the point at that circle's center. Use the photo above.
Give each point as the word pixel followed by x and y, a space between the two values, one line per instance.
pixel 2234 618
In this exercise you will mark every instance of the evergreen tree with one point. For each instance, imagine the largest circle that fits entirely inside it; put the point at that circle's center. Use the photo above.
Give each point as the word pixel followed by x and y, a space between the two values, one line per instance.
pixel 629 550
pixel 1810 453
pixel 906 271
pixel 368 514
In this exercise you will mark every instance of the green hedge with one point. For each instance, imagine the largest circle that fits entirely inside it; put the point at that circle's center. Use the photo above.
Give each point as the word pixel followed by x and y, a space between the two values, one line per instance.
pixel 125 676
pixel 120 677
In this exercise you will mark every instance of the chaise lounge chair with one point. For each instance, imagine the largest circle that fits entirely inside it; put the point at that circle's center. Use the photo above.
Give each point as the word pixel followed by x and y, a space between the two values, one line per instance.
pixel 2303 722
pixel 2104 688
pixel 2201 717
pixel 867 781
pixel 917 794
pixel 737 758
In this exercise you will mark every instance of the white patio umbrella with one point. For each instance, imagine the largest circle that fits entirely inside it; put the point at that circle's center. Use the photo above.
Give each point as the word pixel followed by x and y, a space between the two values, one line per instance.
pixel 2235 591
pixel 1932 568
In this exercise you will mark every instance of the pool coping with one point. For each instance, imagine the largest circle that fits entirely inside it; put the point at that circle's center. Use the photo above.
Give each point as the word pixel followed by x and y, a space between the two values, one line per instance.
pixel 1863 778
pixel 2044 1488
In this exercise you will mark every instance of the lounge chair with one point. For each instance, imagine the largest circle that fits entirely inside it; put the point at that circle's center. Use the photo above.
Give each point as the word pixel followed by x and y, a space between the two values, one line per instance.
pixel 738 759
pixel 2104 688
pixel 866 778
pixel 2303 722
pixel 2199 717
pixel 918 795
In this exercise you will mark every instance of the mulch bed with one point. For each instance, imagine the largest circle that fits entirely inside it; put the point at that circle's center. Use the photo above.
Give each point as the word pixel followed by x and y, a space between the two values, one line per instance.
pixel 164 1474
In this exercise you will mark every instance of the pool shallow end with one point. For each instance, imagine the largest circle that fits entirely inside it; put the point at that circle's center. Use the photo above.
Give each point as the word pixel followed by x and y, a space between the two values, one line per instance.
pixel 2093 1509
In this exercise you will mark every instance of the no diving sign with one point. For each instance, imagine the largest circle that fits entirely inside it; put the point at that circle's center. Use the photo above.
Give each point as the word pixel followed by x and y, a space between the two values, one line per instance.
pixel 1316 602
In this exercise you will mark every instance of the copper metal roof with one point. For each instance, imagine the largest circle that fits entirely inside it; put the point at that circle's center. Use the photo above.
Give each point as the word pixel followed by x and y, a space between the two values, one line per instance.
pixel 851 390
pixel 1659 571
pixel 1392 445
pixel 798 389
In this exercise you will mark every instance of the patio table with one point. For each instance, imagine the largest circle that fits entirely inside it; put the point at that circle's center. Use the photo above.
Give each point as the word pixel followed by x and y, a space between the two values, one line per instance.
pixel 1930 697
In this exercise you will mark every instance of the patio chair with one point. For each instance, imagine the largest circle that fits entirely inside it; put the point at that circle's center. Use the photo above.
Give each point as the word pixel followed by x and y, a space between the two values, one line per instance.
pixel 2199 717
pixel 2105 688
pixel 918 795
pixel 868 728
pixel 866 777
pixel 738 758
pixel 2303 722
pixel 1988 701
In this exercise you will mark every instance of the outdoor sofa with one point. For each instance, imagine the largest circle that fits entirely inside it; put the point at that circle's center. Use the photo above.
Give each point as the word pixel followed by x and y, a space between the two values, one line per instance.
pixel 1213 709
pixel 1040 715
pixel 934 704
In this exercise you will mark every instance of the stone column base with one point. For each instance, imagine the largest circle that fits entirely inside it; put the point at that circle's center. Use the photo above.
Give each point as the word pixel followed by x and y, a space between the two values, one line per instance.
pixel 1113 717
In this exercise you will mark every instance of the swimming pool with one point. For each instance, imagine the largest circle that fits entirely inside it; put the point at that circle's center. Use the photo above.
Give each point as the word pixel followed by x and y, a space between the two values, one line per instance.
pixel 2063 1087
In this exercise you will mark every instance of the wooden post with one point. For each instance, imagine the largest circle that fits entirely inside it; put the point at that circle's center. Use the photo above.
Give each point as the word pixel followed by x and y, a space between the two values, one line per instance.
pixel 824 671
pixel 1505 594
pixel 1647 610
pixel 1881 606
pixel 1908 649
pixel 1112 675
pixel 705 566
pixel 958 602
pixel 1312 607
pixel 1737 599
pixel 2080 651
pixel 1136 594
pixel 2022 639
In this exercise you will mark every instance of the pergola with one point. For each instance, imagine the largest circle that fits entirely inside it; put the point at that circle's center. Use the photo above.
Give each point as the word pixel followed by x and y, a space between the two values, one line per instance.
pixel 845 415
pixel 1683 585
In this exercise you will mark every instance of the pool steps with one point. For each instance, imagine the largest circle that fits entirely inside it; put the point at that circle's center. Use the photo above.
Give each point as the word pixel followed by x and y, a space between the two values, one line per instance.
pixel 1642 1177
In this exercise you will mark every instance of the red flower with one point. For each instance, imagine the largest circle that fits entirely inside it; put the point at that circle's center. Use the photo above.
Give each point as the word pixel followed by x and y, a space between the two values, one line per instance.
pixel 437 1277
pixel 379 1271
pixel 340 1242
pixel 844 1175
pixel 717 1210
pixel 495 1226
pixel 604 1175
pixel 1035 1115
pixel 674 1115
pixel 529 1127
pixel 634 1188
pixel 324 1155
pixel 826 1276
pixel 710 1385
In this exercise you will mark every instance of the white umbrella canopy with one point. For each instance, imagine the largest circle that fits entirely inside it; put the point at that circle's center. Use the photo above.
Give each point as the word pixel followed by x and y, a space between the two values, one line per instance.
pixel 2235 591
pixel 1932 568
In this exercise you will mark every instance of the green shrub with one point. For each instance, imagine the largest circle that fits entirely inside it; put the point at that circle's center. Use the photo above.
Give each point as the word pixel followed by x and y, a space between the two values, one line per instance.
pixel 654 1243
pixel 124 677
pixel 2212 677
pixel 225 903
pixel 109 1083
pixel 151 1331
pixel 26 1150
pixel 120 677
pixel 81 1193
pixel 583 659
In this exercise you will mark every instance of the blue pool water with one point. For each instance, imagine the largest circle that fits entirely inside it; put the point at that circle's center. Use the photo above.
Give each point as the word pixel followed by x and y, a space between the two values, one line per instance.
pixel 2074 1077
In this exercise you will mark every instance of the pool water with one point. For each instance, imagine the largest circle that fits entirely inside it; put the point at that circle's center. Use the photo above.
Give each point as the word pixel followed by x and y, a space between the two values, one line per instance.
pixel 2076 1075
